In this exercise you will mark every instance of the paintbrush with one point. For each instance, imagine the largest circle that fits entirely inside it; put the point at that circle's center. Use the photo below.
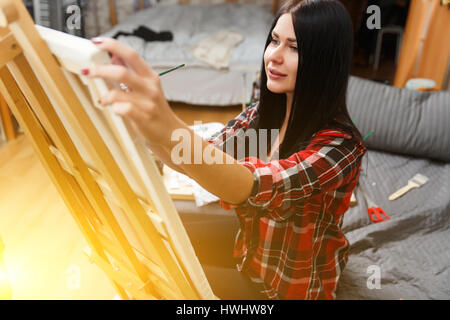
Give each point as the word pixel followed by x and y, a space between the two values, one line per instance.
pixel 123 87
pixel 170 70
pixel 417 181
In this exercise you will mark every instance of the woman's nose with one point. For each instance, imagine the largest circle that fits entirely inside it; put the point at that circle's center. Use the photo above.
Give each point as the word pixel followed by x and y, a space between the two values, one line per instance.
pixel 277 54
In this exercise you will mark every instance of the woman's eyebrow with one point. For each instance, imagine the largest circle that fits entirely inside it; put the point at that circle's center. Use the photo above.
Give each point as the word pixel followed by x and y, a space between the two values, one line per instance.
pixel 289 39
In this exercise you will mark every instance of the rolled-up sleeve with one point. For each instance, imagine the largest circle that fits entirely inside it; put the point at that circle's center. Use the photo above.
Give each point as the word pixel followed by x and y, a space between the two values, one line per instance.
pixel 330 161
pixel 232 128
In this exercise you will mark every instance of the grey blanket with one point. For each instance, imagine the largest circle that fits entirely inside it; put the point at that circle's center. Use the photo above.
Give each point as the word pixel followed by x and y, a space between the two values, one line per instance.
pixel 412 249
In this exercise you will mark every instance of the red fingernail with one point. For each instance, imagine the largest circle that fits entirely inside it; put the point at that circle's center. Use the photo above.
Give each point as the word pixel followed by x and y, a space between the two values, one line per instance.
pixel 85 72
pixel 97 40
pixel 99 101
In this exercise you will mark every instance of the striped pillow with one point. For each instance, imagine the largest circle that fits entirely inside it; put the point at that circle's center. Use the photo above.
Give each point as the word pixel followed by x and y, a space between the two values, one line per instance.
pixel 410 122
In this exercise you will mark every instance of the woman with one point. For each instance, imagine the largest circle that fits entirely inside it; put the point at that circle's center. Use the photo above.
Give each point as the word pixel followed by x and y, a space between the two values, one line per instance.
pixel 290 206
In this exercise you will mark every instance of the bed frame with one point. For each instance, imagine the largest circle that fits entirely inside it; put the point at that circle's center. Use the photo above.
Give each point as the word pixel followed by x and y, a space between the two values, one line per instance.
pixel 104 173
pixel 113 13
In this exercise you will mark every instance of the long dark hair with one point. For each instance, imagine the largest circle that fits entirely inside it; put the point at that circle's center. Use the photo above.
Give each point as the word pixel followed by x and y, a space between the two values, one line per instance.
pixel 324 33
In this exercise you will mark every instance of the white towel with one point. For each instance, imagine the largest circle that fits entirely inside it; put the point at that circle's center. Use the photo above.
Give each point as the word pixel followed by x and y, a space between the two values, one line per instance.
pixel 216 49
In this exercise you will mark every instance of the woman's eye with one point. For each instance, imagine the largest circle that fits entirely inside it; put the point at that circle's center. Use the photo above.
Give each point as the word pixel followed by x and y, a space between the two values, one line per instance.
pixel 275 41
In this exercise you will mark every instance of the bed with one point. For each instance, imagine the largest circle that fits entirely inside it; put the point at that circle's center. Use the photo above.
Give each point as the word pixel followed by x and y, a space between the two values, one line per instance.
pixel 198 82
pixel 412 249
pixel 410 252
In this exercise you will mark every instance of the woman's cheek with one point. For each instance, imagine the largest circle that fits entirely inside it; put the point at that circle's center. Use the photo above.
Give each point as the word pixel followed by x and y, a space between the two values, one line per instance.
pixel 267 54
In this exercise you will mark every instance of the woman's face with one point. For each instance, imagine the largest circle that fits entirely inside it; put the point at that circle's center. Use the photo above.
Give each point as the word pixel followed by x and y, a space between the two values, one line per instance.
pixel 281 57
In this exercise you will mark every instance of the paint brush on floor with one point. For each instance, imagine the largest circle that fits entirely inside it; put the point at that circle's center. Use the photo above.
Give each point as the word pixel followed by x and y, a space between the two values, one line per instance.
pixel 417 181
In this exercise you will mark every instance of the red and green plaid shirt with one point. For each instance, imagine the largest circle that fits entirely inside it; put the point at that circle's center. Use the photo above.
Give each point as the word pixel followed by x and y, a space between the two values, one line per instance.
pixel 290 238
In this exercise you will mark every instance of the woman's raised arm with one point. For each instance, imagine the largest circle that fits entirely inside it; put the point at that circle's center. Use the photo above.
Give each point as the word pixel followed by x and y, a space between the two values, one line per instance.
pixel 146 106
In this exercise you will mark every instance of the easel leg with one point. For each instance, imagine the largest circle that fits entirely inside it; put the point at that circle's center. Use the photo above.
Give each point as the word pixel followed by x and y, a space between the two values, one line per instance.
pixel 7 120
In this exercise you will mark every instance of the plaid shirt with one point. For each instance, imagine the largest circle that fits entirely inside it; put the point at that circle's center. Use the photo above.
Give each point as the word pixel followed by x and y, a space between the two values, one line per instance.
pixel 290 239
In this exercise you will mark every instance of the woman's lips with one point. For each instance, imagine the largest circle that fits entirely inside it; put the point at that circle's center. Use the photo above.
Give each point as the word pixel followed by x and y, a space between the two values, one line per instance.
pixel 275 76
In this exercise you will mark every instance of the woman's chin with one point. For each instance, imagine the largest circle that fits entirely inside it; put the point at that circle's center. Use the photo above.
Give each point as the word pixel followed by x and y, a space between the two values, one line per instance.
pixel 275 89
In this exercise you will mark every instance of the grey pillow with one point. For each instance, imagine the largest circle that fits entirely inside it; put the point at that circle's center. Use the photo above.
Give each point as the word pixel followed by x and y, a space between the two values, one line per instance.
pixel 404 121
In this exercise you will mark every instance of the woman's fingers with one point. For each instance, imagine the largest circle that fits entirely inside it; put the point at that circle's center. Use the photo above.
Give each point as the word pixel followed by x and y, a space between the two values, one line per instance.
pixel 121 103
pixel 127 54
pixel 140 102
pixel 124 109
pixel 117 61
pixel 114 96
pixel 118 74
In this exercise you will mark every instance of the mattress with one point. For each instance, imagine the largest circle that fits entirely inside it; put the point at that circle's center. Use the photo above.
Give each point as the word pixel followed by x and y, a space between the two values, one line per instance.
pixel 199 83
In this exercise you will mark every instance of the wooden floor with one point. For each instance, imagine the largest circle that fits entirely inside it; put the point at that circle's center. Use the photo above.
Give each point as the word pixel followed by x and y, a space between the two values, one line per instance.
pixel 43 246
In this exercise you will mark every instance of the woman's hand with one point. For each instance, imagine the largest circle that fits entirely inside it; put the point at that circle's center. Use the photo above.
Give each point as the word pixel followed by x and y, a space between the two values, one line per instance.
pixel 144 102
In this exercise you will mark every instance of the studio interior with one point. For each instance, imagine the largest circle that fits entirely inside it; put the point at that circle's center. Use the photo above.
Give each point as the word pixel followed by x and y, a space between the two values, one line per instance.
pixel 88 212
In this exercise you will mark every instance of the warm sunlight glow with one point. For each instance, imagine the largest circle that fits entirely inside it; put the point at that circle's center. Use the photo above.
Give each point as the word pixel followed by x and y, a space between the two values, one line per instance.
pixel 5 286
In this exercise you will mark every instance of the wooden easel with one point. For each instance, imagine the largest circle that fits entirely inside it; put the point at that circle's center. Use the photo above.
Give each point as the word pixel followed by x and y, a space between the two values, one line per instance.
pixel 106 176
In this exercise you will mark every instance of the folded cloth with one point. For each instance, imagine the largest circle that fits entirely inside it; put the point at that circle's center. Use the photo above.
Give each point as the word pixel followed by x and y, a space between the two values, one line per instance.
pixel 201 195
pixel 216 49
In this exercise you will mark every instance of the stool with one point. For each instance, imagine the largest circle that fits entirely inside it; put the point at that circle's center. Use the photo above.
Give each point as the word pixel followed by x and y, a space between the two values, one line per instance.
pixel 393 30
